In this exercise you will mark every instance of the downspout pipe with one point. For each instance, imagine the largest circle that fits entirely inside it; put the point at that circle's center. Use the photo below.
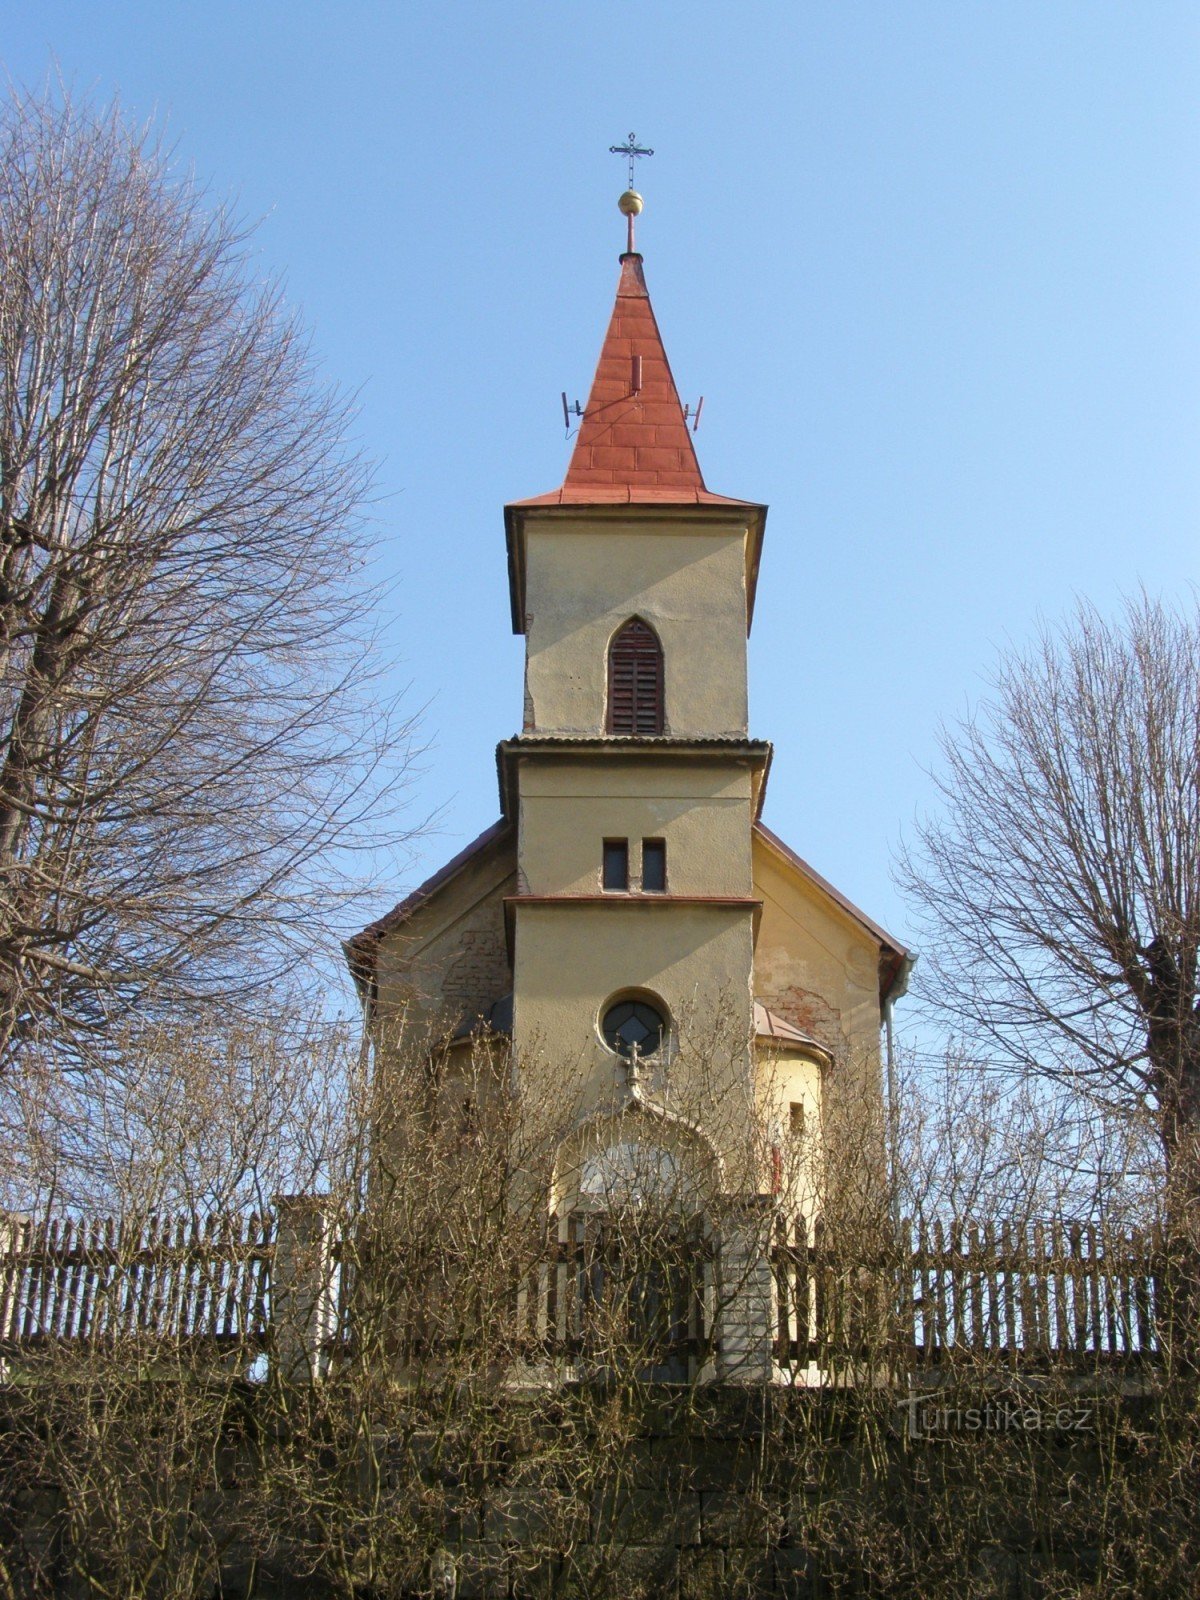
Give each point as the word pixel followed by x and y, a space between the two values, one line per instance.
pixel 898 990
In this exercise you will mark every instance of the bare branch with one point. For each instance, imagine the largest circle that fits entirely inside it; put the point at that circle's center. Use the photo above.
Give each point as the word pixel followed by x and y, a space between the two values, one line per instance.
pixel 186 724
pixel 1060 884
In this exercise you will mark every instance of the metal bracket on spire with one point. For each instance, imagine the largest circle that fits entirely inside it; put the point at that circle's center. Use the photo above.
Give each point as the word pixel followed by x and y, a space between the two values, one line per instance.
pixel 570 411
pixel 693 416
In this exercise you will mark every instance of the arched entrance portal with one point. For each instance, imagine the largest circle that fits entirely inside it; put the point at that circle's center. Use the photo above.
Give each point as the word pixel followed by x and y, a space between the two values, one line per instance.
pixel 635 1277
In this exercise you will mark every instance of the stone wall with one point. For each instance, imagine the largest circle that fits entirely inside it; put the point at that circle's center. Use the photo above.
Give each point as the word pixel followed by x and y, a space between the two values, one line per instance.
pixel 710 1494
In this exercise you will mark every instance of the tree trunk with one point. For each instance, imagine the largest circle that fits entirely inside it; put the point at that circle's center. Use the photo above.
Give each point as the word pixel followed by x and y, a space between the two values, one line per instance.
pixel 1175 1052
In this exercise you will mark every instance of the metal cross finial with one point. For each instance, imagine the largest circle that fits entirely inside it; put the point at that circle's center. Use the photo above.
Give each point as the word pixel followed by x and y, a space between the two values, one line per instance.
pixel 632 150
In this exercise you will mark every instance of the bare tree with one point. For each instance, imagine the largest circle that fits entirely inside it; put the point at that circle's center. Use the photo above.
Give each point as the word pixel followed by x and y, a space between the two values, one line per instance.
pixel 183 637
pixel 1060 882
pixel 976 1143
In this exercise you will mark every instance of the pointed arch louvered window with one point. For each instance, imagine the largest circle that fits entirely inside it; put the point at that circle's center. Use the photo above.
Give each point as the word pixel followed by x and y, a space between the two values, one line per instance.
pixel 635 680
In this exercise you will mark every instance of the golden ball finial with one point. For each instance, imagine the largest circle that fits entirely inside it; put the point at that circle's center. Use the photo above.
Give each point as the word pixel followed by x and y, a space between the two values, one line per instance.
pixel 630 204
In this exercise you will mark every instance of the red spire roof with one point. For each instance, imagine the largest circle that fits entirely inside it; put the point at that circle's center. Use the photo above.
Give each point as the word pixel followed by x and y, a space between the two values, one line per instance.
pixel 633 432
pixel 633 442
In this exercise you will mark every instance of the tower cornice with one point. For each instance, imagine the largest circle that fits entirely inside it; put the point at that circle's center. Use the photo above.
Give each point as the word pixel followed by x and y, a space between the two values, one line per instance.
pixel 753 753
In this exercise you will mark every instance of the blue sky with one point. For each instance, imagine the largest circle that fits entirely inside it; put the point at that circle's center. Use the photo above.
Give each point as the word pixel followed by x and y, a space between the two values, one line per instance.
pixel 933 267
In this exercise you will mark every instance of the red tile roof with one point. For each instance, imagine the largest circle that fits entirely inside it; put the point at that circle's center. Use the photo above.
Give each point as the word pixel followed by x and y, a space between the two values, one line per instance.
pixel 633 445
pixel 768 1026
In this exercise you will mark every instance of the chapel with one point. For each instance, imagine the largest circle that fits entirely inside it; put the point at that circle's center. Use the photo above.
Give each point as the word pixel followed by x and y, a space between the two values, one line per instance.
pixel 643 952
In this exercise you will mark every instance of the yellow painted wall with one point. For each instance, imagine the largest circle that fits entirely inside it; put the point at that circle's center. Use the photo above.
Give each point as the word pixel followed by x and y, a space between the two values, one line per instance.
pixel 783 1078
pixel 568 808
pixel 450 957
pixel 584 579
pixel 570 960
pixel 814 965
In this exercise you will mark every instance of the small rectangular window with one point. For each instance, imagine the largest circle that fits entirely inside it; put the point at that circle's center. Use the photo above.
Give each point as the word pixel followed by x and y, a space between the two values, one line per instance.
pixel 654 866
pixel 616 864
pixel 796 1119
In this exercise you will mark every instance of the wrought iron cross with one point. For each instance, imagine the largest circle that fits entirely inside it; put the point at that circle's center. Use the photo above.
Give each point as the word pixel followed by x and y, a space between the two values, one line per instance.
pixel 632 150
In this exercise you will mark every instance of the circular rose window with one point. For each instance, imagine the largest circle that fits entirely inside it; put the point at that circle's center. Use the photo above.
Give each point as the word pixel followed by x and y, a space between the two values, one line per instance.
pixel 632 1023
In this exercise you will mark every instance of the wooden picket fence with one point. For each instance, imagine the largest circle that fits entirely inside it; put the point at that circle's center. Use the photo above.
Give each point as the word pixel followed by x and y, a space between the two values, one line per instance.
pixel 1046 1292
pixel 594 1293
pixel 1052 1292
pixel 180 1278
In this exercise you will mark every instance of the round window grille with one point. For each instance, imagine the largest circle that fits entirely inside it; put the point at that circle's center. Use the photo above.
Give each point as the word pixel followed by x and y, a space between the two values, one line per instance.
pixel 633 1022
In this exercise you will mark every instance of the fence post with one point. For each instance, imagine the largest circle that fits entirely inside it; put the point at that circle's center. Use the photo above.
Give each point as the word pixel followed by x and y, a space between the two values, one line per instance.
pixel 303 1293
pixel 746 1298
pixel 14 1232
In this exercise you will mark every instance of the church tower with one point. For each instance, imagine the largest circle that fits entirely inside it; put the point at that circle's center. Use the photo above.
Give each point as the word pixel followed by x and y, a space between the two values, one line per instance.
pixel 634 781
pixel 640 941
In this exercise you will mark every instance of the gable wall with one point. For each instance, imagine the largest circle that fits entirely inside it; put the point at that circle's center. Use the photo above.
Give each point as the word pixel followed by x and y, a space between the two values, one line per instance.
pixel 813 965
pixel 450 956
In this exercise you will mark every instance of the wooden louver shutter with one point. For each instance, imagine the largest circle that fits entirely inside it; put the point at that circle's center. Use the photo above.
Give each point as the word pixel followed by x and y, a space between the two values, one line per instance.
pixel 635 680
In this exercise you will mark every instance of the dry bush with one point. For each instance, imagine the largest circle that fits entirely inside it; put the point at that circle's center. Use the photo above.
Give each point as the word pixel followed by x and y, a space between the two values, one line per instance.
pixel 977 1142
pixel 465 1416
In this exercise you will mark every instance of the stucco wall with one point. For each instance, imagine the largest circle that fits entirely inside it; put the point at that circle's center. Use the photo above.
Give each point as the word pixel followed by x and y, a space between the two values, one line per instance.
pixel 785 1078
pixel 570 960
pixel 569 808
pixel 813 965
pixel 687 580
pixel 450 958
